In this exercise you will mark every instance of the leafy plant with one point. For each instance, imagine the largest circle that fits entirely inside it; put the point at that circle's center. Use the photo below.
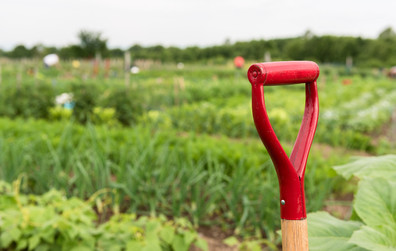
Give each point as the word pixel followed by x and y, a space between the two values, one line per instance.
pixel 374 205
pixel 53 222
pixel 124 231
pixel 59 113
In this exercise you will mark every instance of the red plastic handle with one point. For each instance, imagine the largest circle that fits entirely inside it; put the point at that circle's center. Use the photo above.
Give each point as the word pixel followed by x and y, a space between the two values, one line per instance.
pixel 290 171
pixel 285 72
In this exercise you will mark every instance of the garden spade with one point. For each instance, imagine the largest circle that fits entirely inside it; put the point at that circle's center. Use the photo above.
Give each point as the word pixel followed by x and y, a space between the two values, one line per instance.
pixel 291 170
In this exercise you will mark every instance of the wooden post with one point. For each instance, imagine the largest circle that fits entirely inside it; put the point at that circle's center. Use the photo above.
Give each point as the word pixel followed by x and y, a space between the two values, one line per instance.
pixel 127 67
pixel 107 67
pixel 294 235
pixel 267 56
pixel 349 62
pixel 36 72
pixel 19 76
pixel 96 64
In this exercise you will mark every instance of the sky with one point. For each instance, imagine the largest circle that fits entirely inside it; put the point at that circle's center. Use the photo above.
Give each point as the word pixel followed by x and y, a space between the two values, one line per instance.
pixel 185 23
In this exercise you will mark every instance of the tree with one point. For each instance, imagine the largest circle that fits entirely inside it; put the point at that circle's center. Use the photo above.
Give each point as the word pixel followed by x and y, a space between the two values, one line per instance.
pixel 92 43
pixel 20 51
pixel 387 34
pixel 116 53
pixel 71 51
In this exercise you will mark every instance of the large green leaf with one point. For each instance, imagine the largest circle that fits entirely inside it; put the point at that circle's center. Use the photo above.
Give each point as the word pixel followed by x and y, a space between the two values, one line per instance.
pixel 382 166
pixel 373 239
pixel 375 203
pixel 329 233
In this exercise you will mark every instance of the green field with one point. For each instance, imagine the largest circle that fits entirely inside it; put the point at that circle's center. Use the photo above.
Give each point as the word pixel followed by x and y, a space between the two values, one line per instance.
pixel 173 144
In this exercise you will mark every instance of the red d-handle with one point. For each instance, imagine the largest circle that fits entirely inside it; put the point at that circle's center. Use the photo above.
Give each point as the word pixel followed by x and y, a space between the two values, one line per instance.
pixel 290 171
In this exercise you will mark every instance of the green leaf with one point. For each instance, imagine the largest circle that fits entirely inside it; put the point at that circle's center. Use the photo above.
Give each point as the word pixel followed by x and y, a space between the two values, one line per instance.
pixel 382 166
pixel 252 246
pixel 9 236
pixel 134 245
pixel 231 241
pixel 33 242
pixel 22 244
pixel 178 243
pixel 167 234
pixel 375 203
pixel 42 247
pixel 189 237
pixel 81 248
pixel 373 239
pixel 329 233
pixel 202 244
pixel 5 240
pixel 152 246
pixel 7 201
pixel 152 229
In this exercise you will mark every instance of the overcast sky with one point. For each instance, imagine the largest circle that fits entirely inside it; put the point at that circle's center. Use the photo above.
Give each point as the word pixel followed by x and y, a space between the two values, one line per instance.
pixel 187 22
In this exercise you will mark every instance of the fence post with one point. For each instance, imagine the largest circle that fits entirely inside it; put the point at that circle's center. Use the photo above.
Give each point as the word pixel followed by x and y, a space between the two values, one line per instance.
pixel 127 67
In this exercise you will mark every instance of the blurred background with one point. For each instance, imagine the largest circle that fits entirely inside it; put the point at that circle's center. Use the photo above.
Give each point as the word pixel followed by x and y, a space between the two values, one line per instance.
pixel 127 125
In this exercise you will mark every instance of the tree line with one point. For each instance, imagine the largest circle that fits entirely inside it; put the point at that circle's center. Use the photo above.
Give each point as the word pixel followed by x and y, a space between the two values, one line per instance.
pixel 366 52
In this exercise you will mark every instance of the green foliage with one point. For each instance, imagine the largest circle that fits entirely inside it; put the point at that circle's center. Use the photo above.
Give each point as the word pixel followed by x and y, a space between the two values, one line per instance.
pixel 329 233
pixel 60 113
pixel 210 180
pixel 195 99
pixel 125 231
pixel 85 98
pixel 104 116
pixel 26 101
pixel 50 221
pixel 45 222
pixel 251 245
pixel 382 166
pixel 127 102
pixel 188 146
pixel 374 204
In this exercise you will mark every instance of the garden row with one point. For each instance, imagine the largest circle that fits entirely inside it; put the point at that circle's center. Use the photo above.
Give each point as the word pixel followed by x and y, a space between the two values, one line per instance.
pixel 51 221
pixel 210 180
pixel 205 103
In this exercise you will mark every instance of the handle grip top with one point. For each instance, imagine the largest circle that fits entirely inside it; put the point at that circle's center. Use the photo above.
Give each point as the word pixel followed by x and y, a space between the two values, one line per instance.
pixel 286 72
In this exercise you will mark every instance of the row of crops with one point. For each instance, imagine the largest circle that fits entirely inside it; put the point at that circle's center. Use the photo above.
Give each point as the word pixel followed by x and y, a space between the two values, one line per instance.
pixel 181 142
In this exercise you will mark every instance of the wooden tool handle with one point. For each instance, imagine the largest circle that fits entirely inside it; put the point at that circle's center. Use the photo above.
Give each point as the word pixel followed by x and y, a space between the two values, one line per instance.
pixel 294 235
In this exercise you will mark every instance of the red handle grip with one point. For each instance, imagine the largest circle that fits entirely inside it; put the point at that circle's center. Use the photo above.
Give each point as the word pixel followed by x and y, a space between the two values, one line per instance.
pixel 290 170
pixel 286 72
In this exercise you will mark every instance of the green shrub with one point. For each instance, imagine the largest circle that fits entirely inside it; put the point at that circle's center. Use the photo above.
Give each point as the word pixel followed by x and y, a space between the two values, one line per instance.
pixel 27 101
pixel 127 102
pixel 85 97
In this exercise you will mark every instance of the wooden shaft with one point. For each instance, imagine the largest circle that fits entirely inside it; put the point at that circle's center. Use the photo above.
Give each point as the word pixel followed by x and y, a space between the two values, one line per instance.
pixel 294 235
